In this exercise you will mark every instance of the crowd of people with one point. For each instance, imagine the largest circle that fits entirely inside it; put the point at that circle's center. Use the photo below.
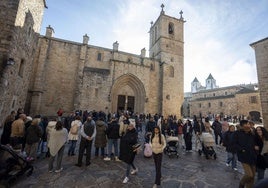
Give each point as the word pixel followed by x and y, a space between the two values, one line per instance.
pixel 115 137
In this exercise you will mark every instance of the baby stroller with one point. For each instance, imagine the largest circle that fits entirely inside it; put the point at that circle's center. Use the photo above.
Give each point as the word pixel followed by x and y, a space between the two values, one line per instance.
pixel 207 142
pixel 172 146
pixel 12 166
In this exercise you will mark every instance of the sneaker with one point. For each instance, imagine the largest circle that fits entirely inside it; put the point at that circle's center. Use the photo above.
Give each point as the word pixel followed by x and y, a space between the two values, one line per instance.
pixel 154 186
pixel 134 171
pixel 117 159
pixel 227 164
pixel 125 180
pixel 59 170
pixel 107 159
pixel 235 169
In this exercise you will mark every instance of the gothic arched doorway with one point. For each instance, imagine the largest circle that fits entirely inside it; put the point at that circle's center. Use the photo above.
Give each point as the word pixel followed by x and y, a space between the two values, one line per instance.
pixel 128 93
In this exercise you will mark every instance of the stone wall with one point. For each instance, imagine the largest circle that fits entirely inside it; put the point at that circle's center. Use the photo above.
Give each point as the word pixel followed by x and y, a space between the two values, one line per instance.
pixel 261 54
pixel 19 38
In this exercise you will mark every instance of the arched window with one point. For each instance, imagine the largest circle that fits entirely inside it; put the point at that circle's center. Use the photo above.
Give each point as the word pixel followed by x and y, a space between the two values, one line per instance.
pixel 171 28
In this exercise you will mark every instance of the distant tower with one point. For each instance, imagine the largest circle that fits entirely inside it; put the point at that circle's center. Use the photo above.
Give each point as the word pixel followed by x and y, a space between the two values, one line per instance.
pixel 167 47
pixel 210 82
pixel 195 85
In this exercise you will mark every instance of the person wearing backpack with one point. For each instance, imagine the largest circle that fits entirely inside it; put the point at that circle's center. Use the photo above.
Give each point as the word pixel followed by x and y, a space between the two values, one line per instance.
pixel 73 135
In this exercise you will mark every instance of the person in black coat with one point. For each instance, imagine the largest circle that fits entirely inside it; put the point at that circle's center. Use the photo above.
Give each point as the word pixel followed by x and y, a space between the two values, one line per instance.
pixel 113 136
pixel 217 127
pixel 187 135
pixel 5 138
pixel 127 152
pixel 244 143
pixel 261 135
pixel 230 149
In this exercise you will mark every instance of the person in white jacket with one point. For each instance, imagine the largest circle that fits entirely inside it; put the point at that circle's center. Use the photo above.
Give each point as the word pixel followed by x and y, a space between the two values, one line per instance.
pixel 74 135
pixel 158 144
pixel 57 138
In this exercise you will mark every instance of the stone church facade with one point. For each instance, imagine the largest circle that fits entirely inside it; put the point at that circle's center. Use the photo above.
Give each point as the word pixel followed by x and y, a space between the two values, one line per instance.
pixel 71 75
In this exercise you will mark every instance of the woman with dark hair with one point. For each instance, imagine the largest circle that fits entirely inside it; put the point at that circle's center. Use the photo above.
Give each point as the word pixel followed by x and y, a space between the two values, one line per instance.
pixel 158 144
pixel 57 139
pixel 127 149
pixel 261 141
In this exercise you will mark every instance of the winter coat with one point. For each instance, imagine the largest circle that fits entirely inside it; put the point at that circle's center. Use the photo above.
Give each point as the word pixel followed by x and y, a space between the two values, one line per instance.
pixel 100 139
pixel 5 138
pixel 57 138
pixel 77 123
pixel 127 141
pixel 260 159
pixel 216 126
pixel 156 146
pixel 227 141
pixel 33 134
pixel 150 126
pixel 244 143
pixel 113 130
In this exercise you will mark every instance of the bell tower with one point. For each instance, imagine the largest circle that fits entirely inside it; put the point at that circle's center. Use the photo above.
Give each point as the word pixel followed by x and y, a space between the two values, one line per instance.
pixel 167 47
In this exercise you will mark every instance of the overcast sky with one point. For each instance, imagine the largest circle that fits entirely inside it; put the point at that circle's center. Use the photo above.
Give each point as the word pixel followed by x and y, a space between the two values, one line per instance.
pixel 217 32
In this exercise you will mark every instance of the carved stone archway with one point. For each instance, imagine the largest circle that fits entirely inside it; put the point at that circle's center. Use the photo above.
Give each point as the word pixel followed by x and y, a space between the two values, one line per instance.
pixel 128 85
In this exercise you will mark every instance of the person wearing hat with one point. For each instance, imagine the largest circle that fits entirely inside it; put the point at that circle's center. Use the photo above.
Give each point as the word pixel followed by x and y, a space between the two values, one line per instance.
pixel 127 149
pixel 244 144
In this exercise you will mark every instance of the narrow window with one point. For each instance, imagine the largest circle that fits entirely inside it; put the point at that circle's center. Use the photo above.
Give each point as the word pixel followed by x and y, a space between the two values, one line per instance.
pixel 96 92
pixel 209 104
pixel 213 94
pixel 99 57
pixel 21 69
pixel 171 28
pixel 200 105
pixel 221 104
pixel 171 71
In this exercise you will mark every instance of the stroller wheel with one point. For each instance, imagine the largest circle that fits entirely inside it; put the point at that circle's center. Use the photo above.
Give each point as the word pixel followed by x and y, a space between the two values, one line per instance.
pixel 215 156
pixel 199 152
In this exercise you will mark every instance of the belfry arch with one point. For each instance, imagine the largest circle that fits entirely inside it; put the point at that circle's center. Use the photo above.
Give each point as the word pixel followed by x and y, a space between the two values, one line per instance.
pixel 128 90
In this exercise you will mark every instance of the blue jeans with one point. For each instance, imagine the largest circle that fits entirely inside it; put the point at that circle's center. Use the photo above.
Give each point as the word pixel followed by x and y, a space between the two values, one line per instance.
pixel 232 157
pixel 129 165
pixel 59 159
pixel 71 150
pixel 111 143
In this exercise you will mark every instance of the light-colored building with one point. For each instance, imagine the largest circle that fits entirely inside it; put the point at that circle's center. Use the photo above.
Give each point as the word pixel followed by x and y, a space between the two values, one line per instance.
pixel 71 75
pixel 239 100
pixel 261 54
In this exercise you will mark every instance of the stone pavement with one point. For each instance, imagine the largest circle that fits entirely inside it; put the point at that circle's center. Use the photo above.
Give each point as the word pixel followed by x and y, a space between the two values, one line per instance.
pixel 188 171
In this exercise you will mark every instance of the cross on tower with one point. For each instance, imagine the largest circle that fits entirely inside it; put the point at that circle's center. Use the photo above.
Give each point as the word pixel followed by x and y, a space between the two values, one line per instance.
pixel 162 6
pixel 181 15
